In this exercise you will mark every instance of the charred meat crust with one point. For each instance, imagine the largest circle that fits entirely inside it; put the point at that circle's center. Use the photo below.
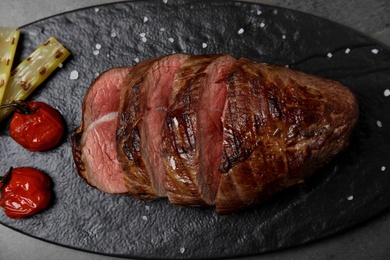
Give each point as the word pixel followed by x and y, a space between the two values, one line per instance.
pixel 280 126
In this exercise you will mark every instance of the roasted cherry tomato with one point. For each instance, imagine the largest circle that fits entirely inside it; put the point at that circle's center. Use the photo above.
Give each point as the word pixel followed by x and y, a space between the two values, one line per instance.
pixel 25 191
pixel 36 126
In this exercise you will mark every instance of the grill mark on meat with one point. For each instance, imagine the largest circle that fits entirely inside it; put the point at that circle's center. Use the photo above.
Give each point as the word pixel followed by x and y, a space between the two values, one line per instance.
pixel 191 178
pixel 180 151
pixel 296 131
pixel 93 143
pixel 210 133
pixel 159 80
pixel 128 135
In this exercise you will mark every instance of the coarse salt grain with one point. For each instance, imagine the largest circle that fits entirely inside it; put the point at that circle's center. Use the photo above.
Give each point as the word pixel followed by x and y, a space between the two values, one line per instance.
pixel 383 168
pixel 96 9
pixel 347 50
pixel 262 25
pixel 375 51
pixel 74 74
pixel 60 65
pixel 146 19
pixel 350 198
pixel 145 218
pixel 329 55
pixel 171 39
pixel 241 31
pixel 98 46
pixel 259 12
pixel 182 250
pixel 96 52
pixel 142 34
pixel 283 37
pixel 144 39
pixel 204 45
pixel 147 207
pixel 108 55
pixel 113 34
pixel 136 60
pixel 162 29
pixel 379 123
pixel 386 92
pixel 165 1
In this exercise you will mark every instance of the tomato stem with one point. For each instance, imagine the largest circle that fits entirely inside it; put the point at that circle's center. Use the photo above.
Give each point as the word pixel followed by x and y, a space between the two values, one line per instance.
pixel 20 107
pixel 5 179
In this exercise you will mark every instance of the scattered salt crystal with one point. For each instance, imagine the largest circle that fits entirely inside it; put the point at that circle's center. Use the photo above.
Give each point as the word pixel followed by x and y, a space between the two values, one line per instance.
pixel 375 51
pixel 329 55
pixel 259 12
pixel 74 74
pixel 283 37
pixel 204 45
pixel 108 55
pixel 147 207
pixel 146 19
pixel 379 123
pixel 275 11
pixel 145 218
pixel 136 60
pixel 347 50
pixel 387 92
pixel 162 29
pixel 60 65
pixel 96 74
pixel 171 39
pixel 96 9
pixel 98 46
pixel 383 168
pixel 182 250
pixel 262 25
pixel 143 38
pixel 350 198
pixel 241 31
pixel 165 1
pixel 113 34
pixel 96 52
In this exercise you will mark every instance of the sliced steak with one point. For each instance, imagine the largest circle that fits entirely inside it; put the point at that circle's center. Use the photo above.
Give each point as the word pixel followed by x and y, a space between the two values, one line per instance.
pixel 193 135
pixel 130 115
pixel 159 82
pixel 210 130
pixel 279 127
pixel 94 142
pixel 180 147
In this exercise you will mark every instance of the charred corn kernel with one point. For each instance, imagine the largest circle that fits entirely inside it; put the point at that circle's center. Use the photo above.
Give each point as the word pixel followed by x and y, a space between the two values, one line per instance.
pixel 31 72
pixel 9 38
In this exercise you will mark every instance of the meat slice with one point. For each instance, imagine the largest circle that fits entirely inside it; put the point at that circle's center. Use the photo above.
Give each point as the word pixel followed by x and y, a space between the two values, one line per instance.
pixel 142 113
pixel 94 142
pixel 128 138
pixel 193 135
pixel 179 135
pixel 210 134
pixel 159 82
pixel 280 126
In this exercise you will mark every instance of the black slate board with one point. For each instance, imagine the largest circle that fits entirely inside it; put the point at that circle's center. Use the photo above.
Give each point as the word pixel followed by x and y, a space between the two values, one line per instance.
pixel 349 191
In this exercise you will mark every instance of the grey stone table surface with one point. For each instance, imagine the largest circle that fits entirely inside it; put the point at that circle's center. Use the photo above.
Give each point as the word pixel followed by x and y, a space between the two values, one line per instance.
pixel 368 241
